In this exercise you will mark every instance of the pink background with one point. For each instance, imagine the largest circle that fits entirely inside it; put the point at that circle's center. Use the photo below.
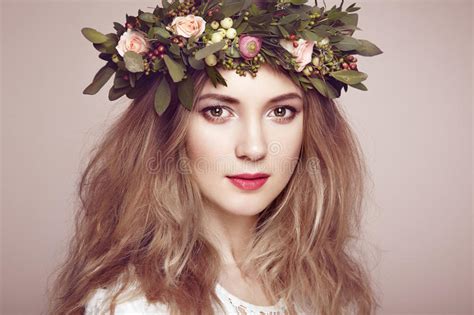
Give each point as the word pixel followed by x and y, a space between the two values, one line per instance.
pixel 415 125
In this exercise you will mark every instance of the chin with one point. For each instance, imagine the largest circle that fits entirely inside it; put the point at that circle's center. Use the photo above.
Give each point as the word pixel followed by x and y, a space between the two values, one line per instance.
pixel 246 205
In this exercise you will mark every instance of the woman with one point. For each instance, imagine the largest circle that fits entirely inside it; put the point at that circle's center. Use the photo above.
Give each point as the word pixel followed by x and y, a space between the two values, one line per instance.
pixel 246 204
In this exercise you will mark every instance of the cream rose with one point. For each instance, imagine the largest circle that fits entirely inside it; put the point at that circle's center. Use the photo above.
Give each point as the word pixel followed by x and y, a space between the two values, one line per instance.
pixel 188 26
pixel 302 53
pixel 132 41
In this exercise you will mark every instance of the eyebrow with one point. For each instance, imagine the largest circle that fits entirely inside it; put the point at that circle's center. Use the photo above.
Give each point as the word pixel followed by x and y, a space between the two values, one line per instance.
pixel 231 100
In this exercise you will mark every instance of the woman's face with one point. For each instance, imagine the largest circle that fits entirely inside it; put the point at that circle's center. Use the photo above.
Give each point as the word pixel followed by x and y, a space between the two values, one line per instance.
pixel 254 125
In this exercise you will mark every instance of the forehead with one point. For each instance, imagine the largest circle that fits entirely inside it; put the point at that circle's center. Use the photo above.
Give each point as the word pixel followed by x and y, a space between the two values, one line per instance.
pixel 267 84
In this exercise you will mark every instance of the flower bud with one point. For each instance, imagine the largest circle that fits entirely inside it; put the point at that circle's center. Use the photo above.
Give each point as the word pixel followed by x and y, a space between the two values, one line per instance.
pixel 315 61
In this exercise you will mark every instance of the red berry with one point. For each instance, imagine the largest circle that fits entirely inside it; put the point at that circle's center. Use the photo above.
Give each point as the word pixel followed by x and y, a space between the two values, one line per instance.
pixel 292 37
pixel 295 44
pixel 161 48
pixel 150 55
pixel 125 77
pixel 345 65
pixel 353 65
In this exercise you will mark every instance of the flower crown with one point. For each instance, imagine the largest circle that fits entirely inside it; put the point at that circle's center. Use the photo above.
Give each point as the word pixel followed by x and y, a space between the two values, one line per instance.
pixel 313 45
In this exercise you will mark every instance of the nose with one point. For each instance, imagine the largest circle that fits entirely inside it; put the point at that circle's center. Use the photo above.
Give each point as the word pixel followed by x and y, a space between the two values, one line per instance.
pixel 252 144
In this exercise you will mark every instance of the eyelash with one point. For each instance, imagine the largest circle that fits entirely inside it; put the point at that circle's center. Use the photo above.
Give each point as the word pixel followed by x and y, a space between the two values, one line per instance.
pixel 218 119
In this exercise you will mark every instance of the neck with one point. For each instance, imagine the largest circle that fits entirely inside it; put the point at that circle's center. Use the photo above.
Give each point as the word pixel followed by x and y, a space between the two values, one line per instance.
pixel 230 233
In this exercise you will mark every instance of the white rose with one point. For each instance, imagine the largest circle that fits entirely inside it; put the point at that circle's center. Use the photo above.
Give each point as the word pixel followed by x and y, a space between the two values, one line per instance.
pixel 187 26
pixel 132 41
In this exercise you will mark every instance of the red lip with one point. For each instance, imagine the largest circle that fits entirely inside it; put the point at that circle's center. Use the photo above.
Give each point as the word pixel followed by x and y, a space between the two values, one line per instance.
pixel 249 176
pixel 249 181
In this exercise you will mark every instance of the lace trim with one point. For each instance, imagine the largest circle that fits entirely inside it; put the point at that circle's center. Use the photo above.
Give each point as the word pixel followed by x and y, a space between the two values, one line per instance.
pixel 240 307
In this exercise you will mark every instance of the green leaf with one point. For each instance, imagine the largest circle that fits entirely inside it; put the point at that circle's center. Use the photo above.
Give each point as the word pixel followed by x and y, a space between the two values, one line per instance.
pixel 348 43
pixel 174 48
pixel 196 64
pixel 119 28
pixel 158 64
pixel 336 15
pixel 311 36
pixel 206 51
pixel 162 96
pixel 298 2
pixel 109 46
pixel 186 92
pixel 321 30
pixel 359 86
pixel 349 76
pixel 115 93
pixel 133 79
pixel 102 76
pixel 94 36
pixel 133 62
pixel 352 8
pixel 288 19
pixel 232 52
pixel 350 19
pixel 242 27
pixel 166 4
pixel 261 20
pixel 158 31
pixel 324 88
pixel 148 18
pixel 119 81
pixel 283 31
pixel 231 7
pixel 366 48
pixel 215 76
pixel 175 68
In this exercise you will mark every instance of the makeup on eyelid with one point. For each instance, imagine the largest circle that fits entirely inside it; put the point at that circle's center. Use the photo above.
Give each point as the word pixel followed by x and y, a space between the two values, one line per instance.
pixel 205 111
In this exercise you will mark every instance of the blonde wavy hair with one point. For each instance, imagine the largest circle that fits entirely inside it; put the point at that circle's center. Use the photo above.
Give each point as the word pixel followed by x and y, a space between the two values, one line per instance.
pixel 139 219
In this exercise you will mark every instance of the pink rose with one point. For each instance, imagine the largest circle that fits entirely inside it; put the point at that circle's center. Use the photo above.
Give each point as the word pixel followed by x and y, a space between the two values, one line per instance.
pixel 249 46
pixel 188 26
pixel 302 53
pixel 132 41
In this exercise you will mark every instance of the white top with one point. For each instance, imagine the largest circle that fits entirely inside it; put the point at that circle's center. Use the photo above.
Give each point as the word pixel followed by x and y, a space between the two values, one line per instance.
pixel 96 305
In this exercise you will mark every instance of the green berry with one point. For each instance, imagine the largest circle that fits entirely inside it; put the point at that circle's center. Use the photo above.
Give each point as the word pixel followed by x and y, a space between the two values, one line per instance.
pixel 215 25
pixel 231 33
pixel 211 60
pixel 227 23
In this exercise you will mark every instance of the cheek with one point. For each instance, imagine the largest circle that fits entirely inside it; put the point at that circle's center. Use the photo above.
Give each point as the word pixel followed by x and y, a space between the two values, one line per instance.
pixel 204 145
pixel 284 150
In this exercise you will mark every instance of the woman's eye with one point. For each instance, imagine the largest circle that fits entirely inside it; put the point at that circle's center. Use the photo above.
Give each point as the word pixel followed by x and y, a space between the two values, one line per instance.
pixel 284 113
pixel 214 113
pixel 217 113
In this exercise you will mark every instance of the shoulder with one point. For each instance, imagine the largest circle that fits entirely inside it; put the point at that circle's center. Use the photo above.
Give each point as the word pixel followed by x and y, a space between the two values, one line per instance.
pixel 99 304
